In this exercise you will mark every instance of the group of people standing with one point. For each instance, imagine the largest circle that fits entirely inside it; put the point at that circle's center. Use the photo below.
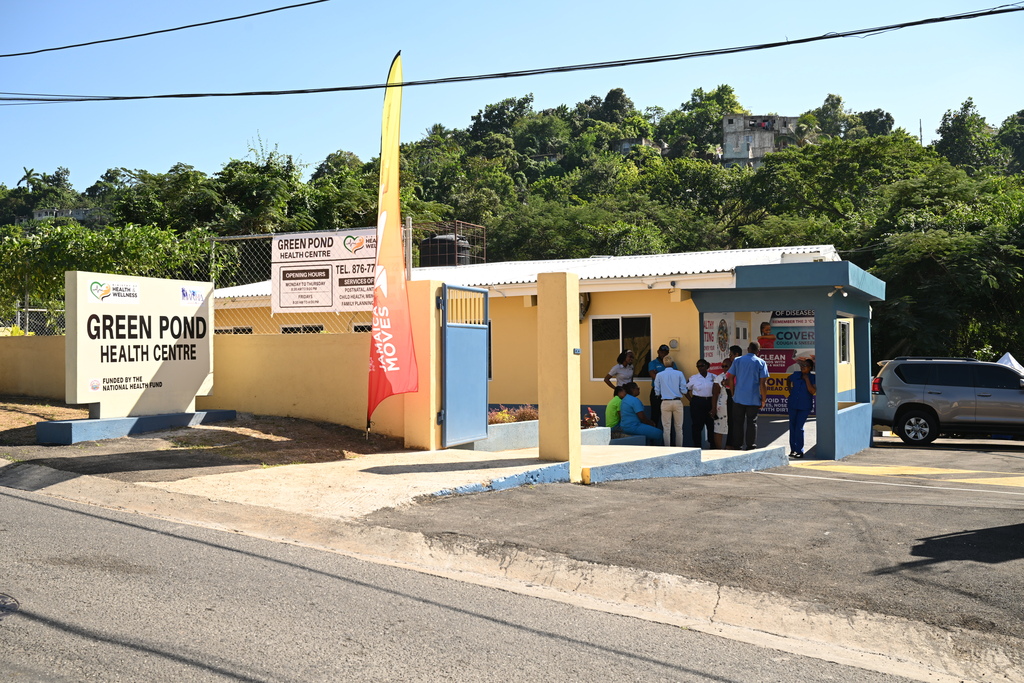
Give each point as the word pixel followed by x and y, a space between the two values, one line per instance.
pixel 726 406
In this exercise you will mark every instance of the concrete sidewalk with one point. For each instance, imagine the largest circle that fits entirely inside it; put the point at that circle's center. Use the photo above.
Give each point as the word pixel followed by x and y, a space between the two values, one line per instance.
pixel 736 555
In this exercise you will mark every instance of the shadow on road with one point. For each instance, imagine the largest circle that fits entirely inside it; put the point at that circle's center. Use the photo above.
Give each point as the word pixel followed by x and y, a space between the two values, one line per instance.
pixel 991 546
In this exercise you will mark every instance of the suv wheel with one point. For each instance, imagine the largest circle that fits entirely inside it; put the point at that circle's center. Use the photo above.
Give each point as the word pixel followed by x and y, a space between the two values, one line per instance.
pixel 917 428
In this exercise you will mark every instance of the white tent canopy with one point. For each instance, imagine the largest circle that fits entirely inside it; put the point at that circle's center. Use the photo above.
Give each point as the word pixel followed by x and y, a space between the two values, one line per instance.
pixel 1007 359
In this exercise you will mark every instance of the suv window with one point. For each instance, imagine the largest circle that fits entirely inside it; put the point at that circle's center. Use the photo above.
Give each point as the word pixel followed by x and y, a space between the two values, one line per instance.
pixel 988 377
pixel 914 374
pixel 953 375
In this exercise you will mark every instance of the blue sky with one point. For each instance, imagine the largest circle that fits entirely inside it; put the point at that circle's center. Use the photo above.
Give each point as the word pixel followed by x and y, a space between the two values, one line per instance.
pixel 916 74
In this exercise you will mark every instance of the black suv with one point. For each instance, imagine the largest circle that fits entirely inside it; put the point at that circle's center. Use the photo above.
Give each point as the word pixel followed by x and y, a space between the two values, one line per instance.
pixel 921 397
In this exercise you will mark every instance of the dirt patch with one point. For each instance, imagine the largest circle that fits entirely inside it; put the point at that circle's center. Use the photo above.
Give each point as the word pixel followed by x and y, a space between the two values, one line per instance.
pixel 253 440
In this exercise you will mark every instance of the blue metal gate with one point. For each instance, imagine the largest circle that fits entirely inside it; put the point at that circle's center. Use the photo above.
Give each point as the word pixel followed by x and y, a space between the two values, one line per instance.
pixel 464 349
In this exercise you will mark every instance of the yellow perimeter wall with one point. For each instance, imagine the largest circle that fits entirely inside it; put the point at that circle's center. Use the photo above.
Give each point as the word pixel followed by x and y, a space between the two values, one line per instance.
pixel 323 376
pixel 311 376
pixel 32 366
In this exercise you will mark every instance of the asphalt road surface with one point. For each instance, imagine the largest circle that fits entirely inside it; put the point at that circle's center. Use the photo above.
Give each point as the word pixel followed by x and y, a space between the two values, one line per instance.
pixel 934 535
pixel 92 594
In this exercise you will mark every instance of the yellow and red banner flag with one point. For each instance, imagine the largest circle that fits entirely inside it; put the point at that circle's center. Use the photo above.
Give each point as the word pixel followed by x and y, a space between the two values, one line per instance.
pixel 393 367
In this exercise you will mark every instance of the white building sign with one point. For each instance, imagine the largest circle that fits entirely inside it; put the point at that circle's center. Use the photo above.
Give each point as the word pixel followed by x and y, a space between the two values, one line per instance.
pixel 137 345
pixel 323 272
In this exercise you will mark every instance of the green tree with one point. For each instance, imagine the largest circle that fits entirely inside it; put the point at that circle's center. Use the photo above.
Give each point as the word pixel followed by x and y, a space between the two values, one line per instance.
pixel 834 119
pixel 616 106
pixel 38 259
pixel 876 121
pixel 967 140
pixel 500 117
pixel 434 165
pixel 837 179
pixel 806 131
pixel 258 195
pixel 541 134
pixel 954 284
pixel 698 122
pixel 30 179
pixel 1011 136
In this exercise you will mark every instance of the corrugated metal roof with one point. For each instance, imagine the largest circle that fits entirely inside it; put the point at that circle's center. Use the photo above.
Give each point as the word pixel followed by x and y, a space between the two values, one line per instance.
pixel 595 268
pixel 617 267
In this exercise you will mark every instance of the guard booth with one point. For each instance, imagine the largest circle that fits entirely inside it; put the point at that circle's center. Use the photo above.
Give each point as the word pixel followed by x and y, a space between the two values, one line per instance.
pixel 840 294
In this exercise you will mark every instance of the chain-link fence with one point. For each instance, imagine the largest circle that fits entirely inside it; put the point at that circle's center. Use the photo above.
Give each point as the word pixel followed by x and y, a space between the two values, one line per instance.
pixel 242 279
pixel 32 321
pixel 242 268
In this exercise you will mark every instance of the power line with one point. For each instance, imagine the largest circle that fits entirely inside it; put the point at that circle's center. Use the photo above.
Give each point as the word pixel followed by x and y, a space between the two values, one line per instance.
pixel 10 99
pixel 153 33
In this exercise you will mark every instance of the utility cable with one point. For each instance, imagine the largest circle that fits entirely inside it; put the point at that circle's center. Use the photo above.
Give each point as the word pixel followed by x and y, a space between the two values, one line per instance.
pixel 153 33
pixel 9 99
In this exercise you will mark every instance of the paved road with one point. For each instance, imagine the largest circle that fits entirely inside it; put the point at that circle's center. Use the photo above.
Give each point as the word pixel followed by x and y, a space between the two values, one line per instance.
pixel 934 535
pixel 108 596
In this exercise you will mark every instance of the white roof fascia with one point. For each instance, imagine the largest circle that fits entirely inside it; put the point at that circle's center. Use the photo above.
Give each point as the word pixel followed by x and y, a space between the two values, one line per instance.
pixel 632 284
pixel 243 302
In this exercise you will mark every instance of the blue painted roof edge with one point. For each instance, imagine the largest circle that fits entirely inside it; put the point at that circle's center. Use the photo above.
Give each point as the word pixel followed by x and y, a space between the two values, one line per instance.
pixel 852 278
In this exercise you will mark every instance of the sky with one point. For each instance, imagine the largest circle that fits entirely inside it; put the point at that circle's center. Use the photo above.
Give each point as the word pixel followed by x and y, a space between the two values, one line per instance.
pixel 916 74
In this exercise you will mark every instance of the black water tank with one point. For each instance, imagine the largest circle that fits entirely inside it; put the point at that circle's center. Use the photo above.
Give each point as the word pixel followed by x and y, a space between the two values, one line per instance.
pixel 444 250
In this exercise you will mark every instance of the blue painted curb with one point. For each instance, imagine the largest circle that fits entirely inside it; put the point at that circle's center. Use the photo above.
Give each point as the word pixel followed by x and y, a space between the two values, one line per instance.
pixel 67 432
pixel 555 473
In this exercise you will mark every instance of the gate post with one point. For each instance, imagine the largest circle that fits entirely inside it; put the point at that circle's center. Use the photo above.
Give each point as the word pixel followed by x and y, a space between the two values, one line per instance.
pixel 558 369
pixel 421 408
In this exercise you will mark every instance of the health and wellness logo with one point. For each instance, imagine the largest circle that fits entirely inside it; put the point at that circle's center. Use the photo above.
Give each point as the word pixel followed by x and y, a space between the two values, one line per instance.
pixel 115 292
pixel 192 297
pixel 353 243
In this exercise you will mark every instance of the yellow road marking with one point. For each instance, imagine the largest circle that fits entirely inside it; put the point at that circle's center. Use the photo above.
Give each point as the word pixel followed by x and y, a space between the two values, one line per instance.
pixel 881 470
pixel 1006 478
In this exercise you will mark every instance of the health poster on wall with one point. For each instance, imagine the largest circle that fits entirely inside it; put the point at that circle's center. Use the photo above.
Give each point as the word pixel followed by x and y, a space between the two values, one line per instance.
pixel 785 337
pixel 323 272
pixel 716 338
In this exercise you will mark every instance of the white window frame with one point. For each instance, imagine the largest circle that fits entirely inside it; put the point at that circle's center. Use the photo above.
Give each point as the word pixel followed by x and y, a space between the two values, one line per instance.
pixel 742 334
pixel 844 341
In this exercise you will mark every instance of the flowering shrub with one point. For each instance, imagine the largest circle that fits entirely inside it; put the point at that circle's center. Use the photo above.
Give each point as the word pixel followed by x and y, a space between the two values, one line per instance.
pixel 499 416
pixel 526 413
pixel 591 419
pixel 504 415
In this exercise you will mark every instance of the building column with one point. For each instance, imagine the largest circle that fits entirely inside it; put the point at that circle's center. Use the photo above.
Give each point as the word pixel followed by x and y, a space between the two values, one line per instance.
pixel 558 369
pixel 825 371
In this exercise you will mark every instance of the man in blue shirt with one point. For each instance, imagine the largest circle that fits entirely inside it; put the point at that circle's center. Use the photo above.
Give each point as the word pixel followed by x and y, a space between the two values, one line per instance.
pixel 633 420
pixel 749 377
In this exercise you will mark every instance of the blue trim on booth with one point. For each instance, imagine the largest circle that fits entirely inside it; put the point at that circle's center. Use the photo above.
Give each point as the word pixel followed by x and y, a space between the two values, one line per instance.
pixel 853 430
pixel 850 395
pixel 554 473
pixel 804 276
pixel 67 432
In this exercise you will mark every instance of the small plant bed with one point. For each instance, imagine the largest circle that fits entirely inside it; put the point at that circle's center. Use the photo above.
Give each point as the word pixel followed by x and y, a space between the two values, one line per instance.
pixel 502 415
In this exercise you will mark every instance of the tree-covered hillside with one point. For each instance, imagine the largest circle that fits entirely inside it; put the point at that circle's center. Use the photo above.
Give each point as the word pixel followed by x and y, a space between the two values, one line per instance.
pixel 941 224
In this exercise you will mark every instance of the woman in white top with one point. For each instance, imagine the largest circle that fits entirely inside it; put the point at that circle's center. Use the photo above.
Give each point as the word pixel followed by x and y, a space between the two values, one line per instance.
pixel 622 373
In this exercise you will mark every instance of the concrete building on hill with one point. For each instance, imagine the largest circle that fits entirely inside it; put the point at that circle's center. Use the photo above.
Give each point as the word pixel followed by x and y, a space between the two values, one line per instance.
pixel 746 139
